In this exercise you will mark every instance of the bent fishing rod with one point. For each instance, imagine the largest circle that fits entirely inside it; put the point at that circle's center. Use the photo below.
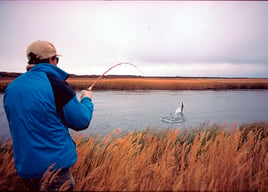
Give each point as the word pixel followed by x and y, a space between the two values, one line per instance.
pixel 123 63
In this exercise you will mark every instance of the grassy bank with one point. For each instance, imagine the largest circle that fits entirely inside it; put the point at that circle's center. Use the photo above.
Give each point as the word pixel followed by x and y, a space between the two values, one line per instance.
pixel 169 83
pixel 209 159
pixel 147 83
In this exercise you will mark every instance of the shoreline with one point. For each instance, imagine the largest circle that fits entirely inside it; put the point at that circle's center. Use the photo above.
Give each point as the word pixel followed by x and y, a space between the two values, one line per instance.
pixel 114 82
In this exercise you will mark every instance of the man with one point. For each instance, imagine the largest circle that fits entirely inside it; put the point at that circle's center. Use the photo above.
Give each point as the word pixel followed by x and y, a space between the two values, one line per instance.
pixel 40 107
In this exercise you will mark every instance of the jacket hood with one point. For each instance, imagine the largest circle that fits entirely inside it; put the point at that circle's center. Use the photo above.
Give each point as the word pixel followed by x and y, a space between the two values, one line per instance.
pixel 51 69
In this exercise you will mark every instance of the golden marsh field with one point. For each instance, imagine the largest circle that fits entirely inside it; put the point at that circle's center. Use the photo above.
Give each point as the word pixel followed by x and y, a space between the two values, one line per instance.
pixel 205 159
pixel 144 83
pixel 154 83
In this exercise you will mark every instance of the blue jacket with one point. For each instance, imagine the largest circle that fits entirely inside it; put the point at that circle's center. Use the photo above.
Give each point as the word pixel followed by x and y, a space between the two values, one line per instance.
pixel 40 106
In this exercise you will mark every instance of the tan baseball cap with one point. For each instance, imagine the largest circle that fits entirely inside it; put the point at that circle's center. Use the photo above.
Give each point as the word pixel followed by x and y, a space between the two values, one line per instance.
pixel 42 49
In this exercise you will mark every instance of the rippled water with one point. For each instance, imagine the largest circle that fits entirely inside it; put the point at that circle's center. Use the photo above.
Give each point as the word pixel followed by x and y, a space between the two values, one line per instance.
pixel 139 110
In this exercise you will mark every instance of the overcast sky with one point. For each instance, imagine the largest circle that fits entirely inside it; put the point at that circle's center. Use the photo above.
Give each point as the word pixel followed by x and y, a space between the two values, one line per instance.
pixel 224 39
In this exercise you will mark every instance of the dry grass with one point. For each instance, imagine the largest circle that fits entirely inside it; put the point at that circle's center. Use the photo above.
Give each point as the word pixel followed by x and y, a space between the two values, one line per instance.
pixel 4 83
pixel 169 83
pixel 145 83
pixel 210 159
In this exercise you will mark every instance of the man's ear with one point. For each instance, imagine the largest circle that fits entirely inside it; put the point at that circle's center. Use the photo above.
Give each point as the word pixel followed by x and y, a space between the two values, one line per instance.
pixel 50 60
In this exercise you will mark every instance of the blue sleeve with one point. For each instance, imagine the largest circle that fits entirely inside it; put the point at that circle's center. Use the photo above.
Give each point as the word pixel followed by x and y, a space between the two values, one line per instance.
pixel 77 115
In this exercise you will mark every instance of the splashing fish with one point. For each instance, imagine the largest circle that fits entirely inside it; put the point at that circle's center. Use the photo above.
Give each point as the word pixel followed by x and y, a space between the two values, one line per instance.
pixel 175 117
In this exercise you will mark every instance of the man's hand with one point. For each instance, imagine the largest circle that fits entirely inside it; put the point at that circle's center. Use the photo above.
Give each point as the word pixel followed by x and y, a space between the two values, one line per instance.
pixel 86 93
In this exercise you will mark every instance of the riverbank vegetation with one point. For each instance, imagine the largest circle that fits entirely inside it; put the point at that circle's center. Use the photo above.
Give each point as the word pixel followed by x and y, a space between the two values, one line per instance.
pixel 212 158
pixel 112 82
pixel 158 83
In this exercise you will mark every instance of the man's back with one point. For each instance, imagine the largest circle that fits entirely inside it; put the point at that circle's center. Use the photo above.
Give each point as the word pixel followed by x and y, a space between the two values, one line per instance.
pixel 39 136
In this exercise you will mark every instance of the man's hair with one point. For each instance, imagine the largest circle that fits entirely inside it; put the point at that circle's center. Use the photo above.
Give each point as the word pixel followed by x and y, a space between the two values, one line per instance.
pixel 35 60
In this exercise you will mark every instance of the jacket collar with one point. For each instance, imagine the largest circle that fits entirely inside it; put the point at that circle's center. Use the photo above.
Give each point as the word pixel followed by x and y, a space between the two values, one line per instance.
pixel 51 69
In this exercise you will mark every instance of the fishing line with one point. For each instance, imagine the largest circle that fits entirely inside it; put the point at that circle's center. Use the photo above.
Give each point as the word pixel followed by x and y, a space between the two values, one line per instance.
pixel 123 63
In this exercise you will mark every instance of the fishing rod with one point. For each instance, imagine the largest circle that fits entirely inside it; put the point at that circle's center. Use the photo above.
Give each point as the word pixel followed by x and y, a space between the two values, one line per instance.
pixel 123 63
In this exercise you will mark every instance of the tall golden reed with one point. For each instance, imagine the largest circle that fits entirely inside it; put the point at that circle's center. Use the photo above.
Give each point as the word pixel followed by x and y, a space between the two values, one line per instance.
pixel 206 160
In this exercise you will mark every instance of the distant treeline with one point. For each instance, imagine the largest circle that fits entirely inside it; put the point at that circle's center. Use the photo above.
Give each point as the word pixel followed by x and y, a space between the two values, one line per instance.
pixel 9 75
pixel 14 75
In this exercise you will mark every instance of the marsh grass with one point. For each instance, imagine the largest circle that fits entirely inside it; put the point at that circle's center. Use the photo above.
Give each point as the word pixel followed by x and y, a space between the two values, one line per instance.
pixel 159 83
pixel 207 159
pixel 169 83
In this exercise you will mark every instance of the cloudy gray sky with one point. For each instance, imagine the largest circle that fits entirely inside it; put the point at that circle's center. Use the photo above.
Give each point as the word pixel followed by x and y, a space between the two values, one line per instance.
pixel 225 39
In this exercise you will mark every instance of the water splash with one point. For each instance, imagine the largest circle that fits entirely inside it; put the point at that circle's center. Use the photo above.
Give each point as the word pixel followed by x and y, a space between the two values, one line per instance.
pixel 175 117
pixel 179 109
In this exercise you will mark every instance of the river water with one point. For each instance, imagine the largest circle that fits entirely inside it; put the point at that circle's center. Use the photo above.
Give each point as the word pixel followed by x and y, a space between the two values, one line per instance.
pixel 139 110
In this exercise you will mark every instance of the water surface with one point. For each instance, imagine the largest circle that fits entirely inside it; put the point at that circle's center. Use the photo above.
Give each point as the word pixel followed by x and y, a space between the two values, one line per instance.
pixel 139 110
